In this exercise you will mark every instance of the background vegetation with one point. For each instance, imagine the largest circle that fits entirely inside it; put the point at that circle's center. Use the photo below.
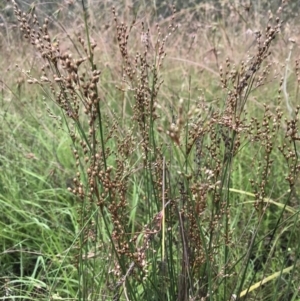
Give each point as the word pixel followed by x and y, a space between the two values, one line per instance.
pixel 149 151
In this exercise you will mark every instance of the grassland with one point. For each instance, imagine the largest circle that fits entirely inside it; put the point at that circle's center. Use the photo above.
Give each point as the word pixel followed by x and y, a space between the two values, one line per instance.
pixel 147 156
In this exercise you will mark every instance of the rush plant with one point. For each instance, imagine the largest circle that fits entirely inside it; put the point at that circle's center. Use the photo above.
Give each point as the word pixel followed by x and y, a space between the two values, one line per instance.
pixel 188 198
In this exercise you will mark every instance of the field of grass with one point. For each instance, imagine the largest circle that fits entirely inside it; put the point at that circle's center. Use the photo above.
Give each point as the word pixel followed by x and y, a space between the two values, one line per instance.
pixel 149 153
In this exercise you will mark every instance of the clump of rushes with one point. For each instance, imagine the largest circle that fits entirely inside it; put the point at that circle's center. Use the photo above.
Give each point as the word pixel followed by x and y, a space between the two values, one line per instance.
pixel 156 197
